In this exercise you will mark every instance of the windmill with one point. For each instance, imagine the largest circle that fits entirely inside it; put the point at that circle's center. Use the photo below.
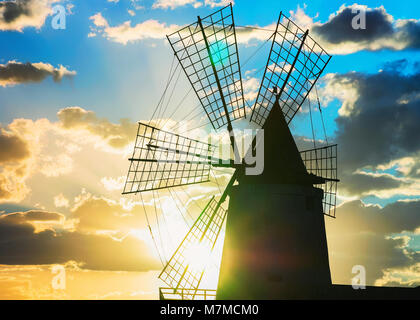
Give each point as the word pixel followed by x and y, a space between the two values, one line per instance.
pixel 275 234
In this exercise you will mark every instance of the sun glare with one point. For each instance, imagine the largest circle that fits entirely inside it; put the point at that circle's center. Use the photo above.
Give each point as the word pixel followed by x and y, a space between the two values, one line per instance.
pixel 198 257
pixel 219 52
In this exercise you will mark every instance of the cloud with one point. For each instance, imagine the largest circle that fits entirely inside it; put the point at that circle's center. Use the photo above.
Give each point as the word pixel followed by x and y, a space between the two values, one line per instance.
pixel 14 73
pixel 31 216
pixel 382 31
pixel 172 4
pixel 250 87
pixel 34 282
pixel 60 201
pixel 360 183
pixel 98 20
pixel 15 173
pixel 20 14
pixel 14 154
pixel 377 125
pixel 101 214
pixel 396 217
pixel 40 147
pixel 336 35
pixel 111 183
pixel 154 30
pixel 220 3
pixel 339 27
pixel 39 220
pixel 69 8
pixel 125 33
pixel 115 135
pixel 20 244
pixel 407 277
pixel 12 147
pixel 362 235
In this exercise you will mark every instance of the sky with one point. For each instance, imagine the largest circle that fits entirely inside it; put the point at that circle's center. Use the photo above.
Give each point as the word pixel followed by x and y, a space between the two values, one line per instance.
pixel 70 100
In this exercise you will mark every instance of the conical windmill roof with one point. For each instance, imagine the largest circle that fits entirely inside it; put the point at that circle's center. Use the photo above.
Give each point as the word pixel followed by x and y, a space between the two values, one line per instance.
pixel 282 161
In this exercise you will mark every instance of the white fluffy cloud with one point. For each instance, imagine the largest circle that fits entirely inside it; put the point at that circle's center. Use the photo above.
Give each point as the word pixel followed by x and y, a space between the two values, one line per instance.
pixel 125 32
pixel 60 201
pixel 155 30
pixel 172 4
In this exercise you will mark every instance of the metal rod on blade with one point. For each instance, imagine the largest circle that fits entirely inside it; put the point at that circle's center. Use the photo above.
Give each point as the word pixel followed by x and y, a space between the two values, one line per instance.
pixel 268 61
pixel 222 199
pixel 229 123
pixel 293 65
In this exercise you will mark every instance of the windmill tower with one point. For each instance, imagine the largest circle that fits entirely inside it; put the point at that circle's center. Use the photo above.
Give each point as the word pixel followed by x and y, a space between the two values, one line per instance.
pixel 275 242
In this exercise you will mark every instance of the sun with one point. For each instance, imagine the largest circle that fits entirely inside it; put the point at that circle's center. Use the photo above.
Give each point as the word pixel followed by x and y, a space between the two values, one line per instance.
pixel 198 256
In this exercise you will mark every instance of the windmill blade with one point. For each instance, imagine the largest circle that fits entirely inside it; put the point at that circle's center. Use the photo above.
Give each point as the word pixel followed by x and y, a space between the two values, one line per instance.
pixel 208 53
pixel 162 159
pixel 294 65
pixel 184 270
pixel 322 162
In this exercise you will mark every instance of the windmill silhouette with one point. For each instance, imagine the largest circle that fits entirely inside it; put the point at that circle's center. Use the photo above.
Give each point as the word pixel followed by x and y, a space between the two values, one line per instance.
pixel 207 51
pixel 275 244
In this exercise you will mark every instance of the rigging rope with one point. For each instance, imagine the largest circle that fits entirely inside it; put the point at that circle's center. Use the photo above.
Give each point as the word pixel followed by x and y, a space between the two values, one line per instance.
pixel 180 211
pixel 176 108
pixel 164 91
pixel 322 116
pixel 164 218
pixel 312 124
pixel 151 233
pixel 160 235
pixel 192 199
pixel 217 182
pixel 170 97
pixel 310 110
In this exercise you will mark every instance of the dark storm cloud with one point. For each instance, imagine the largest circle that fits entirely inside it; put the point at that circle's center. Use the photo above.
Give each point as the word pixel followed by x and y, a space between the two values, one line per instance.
pixel 16 15
pixel 15 73
pixel 393 218
pixel 31 216
pixel 381 31
pixel 410 32
pixel 381 125
pixel 384 122
pixel 339 28
pixel 15 9
pixel 19 244
pixel 414 171
pixel 358 183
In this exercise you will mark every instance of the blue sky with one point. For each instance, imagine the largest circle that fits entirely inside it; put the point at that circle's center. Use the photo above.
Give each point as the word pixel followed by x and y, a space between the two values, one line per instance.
pixel 113 79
